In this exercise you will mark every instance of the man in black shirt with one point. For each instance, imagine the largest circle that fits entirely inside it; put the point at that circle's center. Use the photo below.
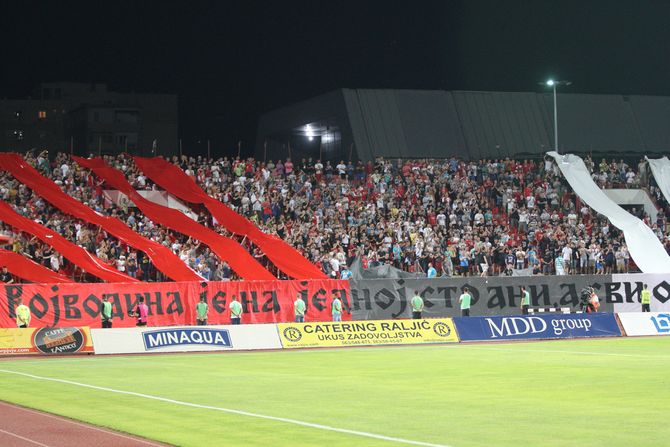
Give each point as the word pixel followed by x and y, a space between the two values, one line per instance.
pixel 547 261
pixel 6 277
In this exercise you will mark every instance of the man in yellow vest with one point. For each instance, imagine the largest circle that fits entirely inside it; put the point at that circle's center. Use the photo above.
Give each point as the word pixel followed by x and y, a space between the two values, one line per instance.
pixel 22 315
pixel 645 299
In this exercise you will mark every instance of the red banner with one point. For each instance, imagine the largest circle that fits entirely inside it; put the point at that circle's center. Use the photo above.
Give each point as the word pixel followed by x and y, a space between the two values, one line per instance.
pixel 225 248
pixel 28 269
pixel 74 253
pixel 171 303
pixel 161 256
pixel 177 183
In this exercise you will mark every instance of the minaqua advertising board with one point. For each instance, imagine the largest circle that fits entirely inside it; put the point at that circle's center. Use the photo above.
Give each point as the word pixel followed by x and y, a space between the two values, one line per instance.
pixel 647 323
pixel 46 341
pixel 537 327
pixel 185 339
pixel 363 333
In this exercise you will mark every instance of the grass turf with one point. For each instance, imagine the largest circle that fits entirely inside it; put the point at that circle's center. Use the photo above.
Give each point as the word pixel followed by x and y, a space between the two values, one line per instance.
pixel 606 392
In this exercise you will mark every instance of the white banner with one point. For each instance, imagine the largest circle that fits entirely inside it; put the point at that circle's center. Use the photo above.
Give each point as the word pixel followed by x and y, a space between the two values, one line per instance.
pixel 185 339
pixel 648 323
pixel 643 245
pixel 625 289
pixel 661 170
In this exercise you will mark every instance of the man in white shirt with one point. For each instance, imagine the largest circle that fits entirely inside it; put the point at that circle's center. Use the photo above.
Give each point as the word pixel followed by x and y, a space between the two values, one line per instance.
pixel 572 218
pixel 523 221
pixel 334 265
pixel 342 169
pixel 567 258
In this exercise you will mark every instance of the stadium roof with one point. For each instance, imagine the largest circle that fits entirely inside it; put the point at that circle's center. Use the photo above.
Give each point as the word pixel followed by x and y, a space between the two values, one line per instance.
pixel 365 123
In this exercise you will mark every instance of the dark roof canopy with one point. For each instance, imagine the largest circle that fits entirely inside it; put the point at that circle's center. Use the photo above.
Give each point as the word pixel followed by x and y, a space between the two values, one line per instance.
pixel 364 123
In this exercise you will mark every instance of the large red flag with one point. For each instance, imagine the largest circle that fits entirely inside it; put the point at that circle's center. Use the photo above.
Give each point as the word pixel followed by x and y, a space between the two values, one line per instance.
pixel 74 253
pixel 29 270
pixel 176 182
pixel 225 248
pixel 161 256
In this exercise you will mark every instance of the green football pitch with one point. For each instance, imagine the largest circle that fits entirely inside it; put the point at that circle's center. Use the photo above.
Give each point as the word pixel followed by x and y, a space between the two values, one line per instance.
pixel 608 392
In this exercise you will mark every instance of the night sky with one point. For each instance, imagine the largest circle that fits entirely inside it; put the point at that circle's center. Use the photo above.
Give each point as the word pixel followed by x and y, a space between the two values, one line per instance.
pixel 231 61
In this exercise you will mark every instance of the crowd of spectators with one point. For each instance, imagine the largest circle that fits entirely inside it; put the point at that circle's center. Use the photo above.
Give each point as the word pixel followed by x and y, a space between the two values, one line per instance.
pixel 432 217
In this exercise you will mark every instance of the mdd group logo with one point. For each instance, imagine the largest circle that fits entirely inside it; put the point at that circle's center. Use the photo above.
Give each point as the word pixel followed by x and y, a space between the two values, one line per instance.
pixel 361 333
pixel 540 326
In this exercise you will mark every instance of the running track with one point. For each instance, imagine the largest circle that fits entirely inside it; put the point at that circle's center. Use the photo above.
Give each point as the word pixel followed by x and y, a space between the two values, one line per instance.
pixel 23 427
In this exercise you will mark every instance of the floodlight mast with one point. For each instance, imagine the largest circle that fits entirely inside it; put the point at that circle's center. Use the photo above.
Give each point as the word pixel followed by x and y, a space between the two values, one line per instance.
pixel 553 84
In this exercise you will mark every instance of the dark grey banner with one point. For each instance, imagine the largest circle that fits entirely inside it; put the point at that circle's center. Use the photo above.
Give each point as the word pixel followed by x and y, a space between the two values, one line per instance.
pixel 381 299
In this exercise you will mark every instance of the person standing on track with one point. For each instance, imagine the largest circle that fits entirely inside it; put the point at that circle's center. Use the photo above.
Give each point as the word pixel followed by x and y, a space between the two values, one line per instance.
pixel 525 300
pixel 336 309
pixel 235 311
pixel 299 308
pixel 417 305
pixel 22 315
pixel 645 299
pixel 141 312
pixel 106 313
pixel 201 310
pixel 466 301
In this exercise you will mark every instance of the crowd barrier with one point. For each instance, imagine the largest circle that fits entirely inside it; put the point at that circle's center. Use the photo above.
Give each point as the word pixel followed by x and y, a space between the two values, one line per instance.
pixel 45 341
pixel 545 326
pixel 648 323
pixel 329 334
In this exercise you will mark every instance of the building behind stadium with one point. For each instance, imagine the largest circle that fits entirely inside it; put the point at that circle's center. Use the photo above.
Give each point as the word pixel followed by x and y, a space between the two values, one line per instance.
pixel 86 117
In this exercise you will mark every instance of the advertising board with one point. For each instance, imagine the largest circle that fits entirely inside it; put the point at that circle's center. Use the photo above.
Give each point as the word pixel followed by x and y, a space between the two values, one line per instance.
pixel 647 323
pixel 362 333
pixel 541 326
pixel 185 339
pixel 45 341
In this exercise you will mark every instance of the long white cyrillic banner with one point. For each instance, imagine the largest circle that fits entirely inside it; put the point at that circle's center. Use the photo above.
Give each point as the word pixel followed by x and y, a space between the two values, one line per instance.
pixel 185 339
pixel 647 323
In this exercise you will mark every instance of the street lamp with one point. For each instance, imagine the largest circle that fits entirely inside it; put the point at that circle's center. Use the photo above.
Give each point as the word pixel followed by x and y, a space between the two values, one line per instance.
pixel 553 84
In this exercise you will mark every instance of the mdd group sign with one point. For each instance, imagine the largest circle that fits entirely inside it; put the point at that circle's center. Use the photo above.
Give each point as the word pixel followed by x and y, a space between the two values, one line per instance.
pixel 364 333
pixel 537 327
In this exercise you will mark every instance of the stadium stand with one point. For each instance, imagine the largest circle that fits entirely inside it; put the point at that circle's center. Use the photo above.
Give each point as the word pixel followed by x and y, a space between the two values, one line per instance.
pixel 484 217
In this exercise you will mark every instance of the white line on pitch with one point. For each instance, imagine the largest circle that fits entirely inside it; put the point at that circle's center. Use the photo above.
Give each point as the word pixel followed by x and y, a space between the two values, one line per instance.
pixel 231 411
pixel 22 438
